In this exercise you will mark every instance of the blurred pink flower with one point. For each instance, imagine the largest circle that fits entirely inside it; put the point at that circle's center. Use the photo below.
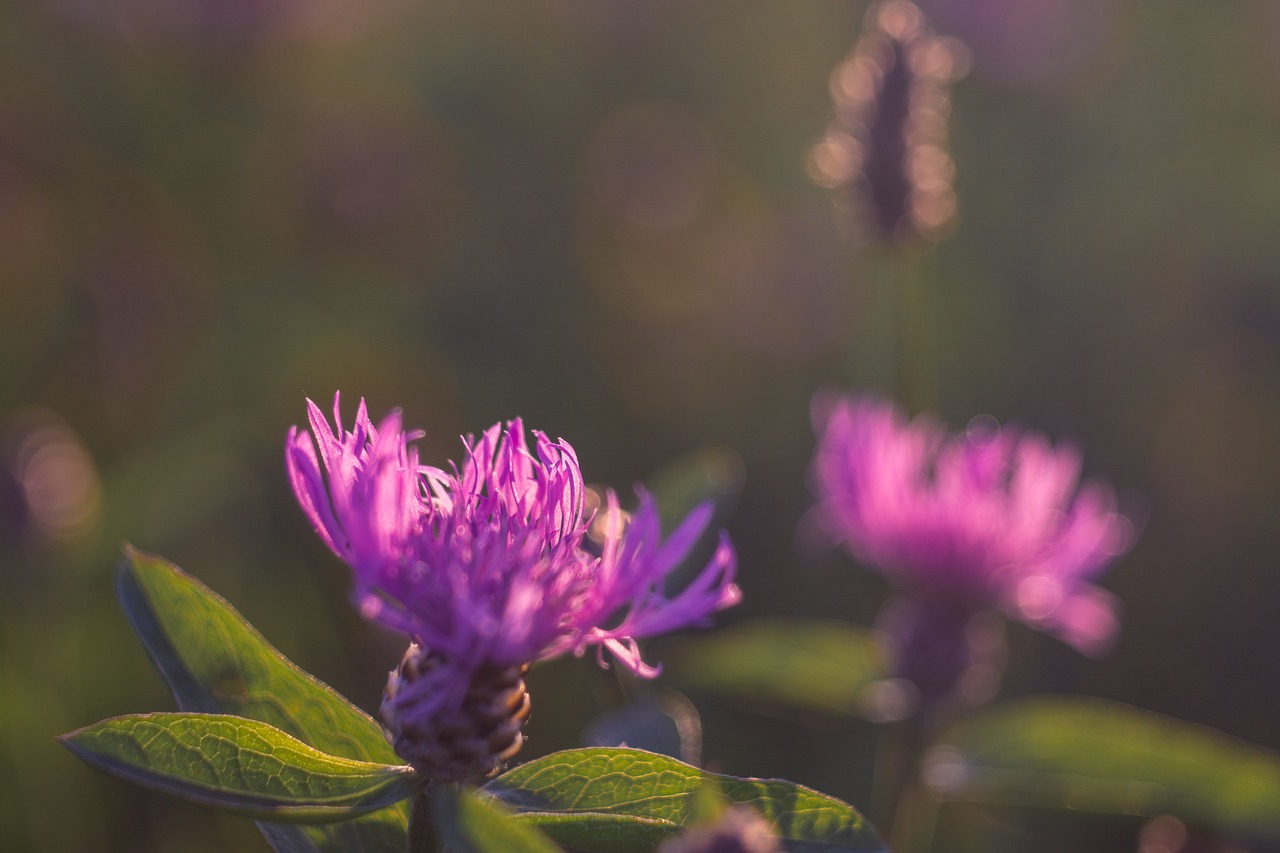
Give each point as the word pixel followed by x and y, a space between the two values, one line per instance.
pixel 989 518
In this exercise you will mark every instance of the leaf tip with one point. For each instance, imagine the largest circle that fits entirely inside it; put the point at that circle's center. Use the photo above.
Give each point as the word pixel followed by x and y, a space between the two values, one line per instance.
pixel 70 741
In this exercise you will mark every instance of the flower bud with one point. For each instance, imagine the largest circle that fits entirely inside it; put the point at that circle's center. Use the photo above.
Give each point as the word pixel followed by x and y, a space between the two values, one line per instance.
pixel 447 742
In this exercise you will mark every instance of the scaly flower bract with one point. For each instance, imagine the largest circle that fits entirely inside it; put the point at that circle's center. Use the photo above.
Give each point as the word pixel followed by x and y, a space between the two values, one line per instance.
pixel 990 517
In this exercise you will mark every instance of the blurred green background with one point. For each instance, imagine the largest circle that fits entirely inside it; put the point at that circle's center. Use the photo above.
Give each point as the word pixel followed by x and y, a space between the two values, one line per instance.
pixel 595 214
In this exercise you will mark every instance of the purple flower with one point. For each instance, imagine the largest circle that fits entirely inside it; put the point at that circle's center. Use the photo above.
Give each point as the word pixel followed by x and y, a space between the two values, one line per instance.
pixel 990 517
pixel 484 566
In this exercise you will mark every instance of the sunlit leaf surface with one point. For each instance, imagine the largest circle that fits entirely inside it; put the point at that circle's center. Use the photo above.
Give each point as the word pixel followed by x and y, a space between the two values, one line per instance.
pixel 626 801
pixel 215 662
pixel 1091 755
pixel 238 765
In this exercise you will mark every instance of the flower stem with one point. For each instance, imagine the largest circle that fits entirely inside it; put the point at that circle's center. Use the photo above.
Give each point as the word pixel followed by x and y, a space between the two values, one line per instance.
pixel 422 830
pixel 897 760
pixel 917 330
pixel 898 349
pixel 915 823
pixel 873 354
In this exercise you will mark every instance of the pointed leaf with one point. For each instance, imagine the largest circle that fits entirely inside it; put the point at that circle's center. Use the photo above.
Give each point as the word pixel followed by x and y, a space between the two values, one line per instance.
pixel 239 766
pixel 466 823
pixel 626 801
pixel 811 664
pixel 1092 755
pixel 215 662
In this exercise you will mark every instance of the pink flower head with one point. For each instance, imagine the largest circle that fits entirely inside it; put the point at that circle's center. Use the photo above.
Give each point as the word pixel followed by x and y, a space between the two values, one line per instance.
pixel 990 517
pixel 484 565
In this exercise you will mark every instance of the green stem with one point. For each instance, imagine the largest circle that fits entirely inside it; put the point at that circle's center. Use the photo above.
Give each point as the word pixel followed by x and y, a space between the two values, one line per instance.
pixel 897 761
pixel 896 350
pixel 916 822
pixel 873 350
pixel 422 830
pixel 918 352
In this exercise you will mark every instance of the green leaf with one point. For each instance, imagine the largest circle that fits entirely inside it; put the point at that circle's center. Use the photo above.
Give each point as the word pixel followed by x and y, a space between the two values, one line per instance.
pixel 625 801
pixel 466 823
pixel 1098 756
pixel 215 662
pixel 240 766
pixel 383 831
pixel 810 664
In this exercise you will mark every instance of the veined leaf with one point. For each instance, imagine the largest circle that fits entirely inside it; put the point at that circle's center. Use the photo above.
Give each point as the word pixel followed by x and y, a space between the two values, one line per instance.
pixel 240 766
pixel 625 801
pixel 215 662
pixel 1098 756
pixel 811 664
pixel 466 823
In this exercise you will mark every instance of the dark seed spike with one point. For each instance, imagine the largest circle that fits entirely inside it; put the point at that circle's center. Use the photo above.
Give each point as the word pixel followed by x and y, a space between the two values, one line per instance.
pixel 886 153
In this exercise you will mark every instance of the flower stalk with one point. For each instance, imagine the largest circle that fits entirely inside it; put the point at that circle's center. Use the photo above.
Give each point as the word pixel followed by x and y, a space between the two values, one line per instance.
pixel 989 519
pixel 422 828
pixel 886 157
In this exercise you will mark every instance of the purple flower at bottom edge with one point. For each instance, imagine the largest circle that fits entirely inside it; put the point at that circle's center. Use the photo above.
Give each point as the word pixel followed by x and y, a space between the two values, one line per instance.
pixel 988 518
pixel 483 566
